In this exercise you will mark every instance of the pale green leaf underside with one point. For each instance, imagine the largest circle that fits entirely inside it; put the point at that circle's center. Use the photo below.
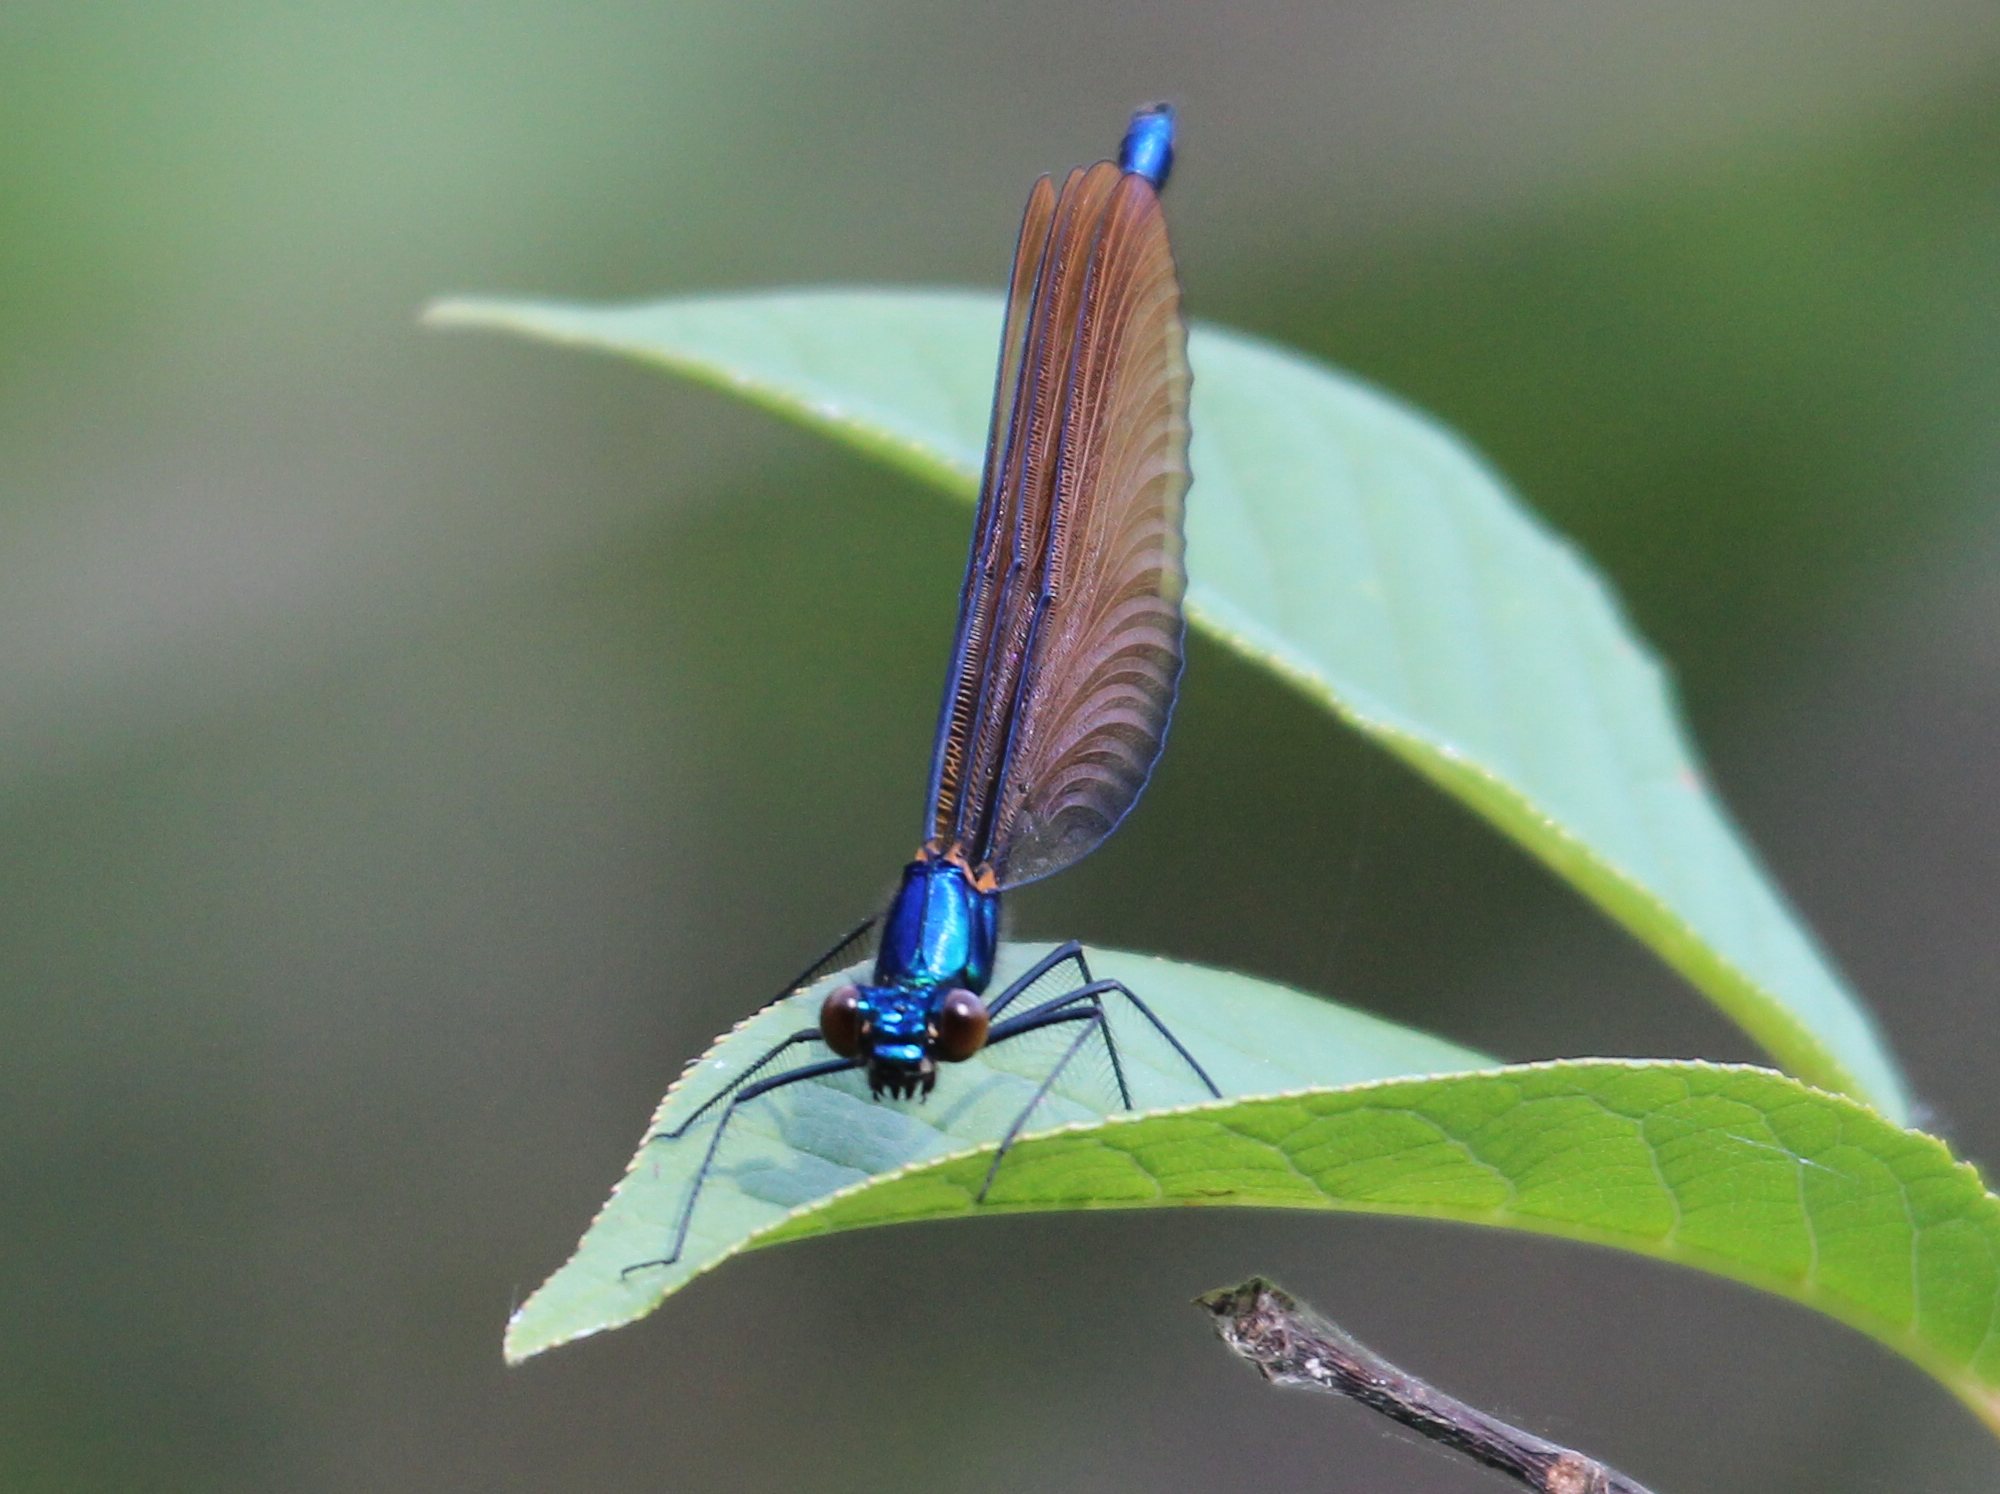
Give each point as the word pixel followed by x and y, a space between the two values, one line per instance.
pixel 1735 1170
pixel 791 1149
pixel 1362 552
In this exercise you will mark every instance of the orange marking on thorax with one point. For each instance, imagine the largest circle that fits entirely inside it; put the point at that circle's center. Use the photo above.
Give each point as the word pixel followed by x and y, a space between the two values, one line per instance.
pixel 982 877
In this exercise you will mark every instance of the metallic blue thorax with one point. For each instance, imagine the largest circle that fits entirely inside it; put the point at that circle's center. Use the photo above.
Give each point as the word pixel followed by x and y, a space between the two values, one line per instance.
pixel 938 935
pixel 939 932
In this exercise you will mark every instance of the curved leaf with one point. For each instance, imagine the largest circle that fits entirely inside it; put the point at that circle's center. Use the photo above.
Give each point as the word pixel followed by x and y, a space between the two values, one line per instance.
pixel 796 1147
pixel 1358 549
pixel 1735 1170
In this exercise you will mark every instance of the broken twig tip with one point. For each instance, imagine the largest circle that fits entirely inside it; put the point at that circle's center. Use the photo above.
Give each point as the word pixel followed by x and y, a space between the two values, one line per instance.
pixel 1290 1344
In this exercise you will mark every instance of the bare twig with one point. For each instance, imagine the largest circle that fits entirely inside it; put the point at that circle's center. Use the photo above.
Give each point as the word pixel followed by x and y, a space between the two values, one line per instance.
pixel 1290 1344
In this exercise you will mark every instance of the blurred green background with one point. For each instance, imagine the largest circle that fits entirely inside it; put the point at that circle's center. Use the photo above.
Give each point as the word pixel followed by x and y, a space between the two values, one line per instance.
pixel 412 748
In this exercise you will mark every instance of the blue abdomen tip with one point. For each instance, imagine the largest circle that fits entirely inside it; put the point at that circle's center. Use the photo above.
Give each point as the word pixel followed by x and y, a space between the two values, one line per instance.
pixel 1149 144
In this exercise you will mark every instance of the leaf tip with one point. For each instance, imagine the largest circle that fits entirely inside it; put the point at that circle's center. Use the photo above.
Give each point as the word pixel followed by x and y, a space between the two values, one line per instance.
pixel 458 311
pixel 517 1347
pixel 523 1341
pixel 445 311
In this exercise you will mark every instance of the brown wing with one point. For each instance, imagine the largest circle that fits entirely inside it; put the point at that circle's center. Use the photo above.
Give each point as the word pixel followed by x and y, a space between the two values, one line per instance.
pixel 1070 623
pixel 1102 676
pixel 993 527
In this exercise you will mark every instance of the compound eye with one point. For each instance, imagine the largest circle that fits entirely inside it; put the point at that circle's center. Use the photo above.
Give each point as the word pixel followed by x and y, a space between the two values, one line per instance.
pixel 961 1026
pixel 840 1021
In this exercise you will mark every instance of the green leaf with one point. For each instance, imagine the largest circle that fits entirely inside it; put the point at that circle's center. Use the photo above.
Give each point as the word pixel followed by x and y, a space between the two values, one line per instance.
pixel 1359 550
pixel 791 1150
pixel 1735 1170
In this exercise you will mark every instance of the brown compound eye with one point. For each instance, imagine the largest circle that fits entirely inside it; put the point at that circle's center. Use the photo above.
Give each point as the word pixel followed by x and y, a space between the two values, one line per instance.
pixel 961 1026
pixel 840 1021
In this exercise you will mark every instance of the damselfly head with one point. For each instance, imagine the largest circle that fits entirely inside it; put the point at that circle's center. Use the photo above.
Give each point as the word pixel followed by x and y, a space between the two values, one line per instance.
pixel 898 1036
pixel 898 1043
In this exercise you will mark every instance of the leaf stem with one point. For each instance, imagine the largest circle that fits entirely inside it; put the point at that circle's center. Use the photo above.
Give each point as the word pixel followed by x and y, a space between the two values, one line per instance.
pixel 1290 1344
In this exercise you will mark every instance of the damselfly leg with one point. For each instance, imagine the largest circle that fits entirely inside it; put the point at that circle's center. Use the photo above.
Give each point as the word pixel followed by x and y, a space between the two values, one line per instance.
pixel 740 1094
pixel 1082 1006
pixel 746 1086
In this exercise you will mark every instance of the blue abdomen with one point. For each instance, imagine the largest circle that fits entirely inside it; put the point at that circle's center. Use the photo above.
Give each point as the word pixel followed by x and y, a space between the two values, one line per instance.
pixel 1148 148
pixel 939 932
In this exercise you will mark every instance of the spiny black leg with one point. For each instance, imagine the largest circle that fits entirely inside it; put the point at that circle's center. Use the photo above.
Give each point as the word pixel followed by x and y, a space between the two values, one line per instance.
pixel 803 1035
pixel 1095 991
pixel 1108 987
pixel 1061 954
pixel 831 960
pixel 1030 1022
pixel 1035 1016
pixel 741 1098
pixel 1111 1048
